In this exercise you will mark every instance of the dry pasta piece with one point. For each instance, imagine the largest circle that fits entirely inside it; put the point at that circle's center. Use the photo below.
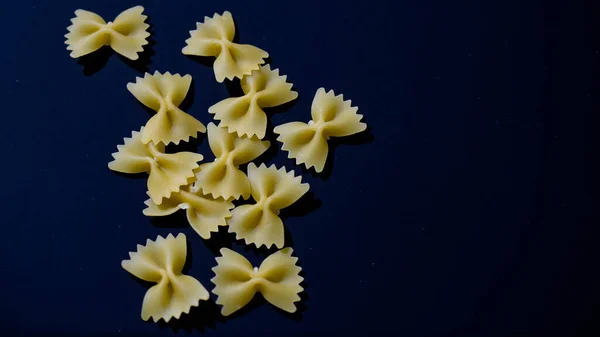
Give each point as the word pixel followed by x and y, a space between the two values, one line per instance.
pixel 277 279
pixel 264 88
pixel 214 37
pixel 167 171
pixel 204 213
pixel 127 35
pixel 163 93
pixel 273 190
pixel 161 262
pixel 331 117
pixel 222 178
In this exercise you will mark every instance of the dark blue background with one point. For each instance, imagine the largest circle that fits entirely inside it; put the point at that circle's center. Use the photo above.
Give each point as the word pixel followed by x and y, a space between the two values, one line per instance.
pixel 468 209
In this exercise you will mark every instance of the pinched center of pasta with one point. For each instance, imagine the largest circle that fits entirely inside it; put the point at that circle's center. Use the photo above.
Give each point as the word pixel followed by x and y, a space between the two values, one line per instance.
pixel 277 279
pixel 267 204
pixel 255 83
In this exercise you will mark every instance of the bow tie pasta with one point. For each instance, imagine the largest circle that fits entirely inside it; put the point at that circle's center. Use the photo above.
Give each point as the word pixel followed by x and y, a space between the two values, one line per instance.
pixel 126 35
pixel 163 93
pixel 167 171
pixel 273 190
pixel 277 279
pixel 222 178
pixel 161 261
pixel 214 37
pixel 264 88
pixel 204 213
pixel 331 117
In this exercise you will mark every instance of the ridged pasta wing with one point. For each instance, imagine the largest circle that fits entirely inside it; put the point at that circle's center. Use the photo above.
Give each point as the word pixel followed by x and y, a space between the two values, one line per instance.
pixel 304 143
pixel 161 261
pixel 214 37
pixel 204 213
pixel 331 117
pixel 233 281
pixel 272 189
pixel 281 279
pixel 127 35
pixel 130 33
pixel 222 178
pixel 167 171
pixel 163 93
pixel 244 115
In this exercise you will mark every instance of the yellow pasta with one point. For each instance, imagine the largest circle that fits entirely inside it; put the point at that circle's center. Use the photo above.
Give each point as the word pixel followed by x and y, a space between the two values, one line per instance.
pixel 167 171
pixel 163 93
pixel 127 35
pixel 214 37
pixel 204 213
pixel 277 279
pixel 331 117
pixel 264 88
pixel 222 178
pixel 161 262
pixel 273 190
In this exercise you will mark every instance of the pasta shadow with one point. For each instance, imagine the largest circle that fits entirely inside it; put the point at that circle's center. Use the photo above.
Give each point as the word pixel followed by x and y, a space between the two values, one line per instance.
pixel 234 87
pixel 188 101
pixel 360 138
pixel 175 220
pixel 263 251
pixel 189 146
pixel 236 35
pixel 93 62
pixel 280 108
pixel 287 237
pixel 150 111
pixel 206 61
pixel 272 151
pixel 260 253
pixel 305 205
pixel 142 63
pixel 204 316
pixel 218 240
pixel 141 175
pixel 147 285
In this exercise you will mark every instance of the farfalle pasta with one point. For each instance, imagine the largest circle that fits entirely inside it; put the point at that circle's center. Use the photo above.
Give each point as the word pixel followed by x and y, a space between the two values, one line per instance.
pixel 204 213
pixel 222 178
pixel 277 279
pixel 127 35
pixel 331 117
pixel 163 93
pixel 273 190
pixel 264 88
pixel 214 37
pixel 161 262
pixel 167 171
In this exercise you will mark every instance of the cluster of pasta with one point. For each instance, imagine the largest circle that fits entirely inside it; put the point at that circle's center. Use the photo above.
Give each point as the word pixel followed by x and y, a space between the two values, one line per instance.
pixel 207 191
